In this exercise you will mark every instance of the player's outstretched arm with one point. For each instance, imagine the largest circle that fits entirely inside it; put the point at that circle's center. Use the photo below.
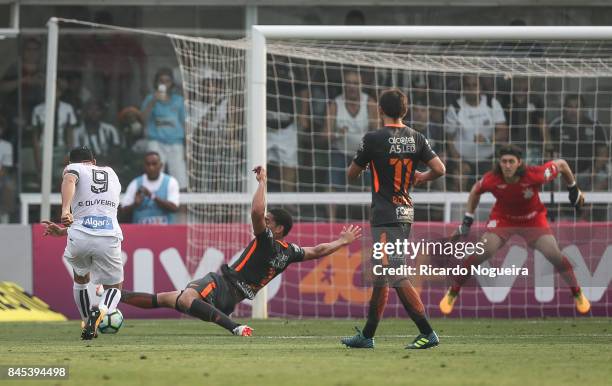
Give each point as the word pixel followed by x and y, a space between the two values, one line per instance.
pixel 68 189
pixel 576 197
pixel 347 236
pixel 52 229
pixel 258 207
pixel 565 171
pixel 436 169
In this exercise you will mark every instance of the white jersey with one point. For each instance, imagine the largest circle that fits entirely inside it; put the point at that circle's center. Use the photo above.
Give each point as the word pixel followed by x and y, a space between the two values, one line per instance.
pixel 96 200
pixel 356 125
pixel 469 121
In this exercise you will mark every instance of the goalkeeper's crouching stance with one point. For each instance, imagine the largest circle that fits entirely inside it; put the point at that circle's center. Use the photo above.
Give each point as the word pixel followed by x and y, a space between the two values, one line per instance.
pixel 214 297
pixel 518 210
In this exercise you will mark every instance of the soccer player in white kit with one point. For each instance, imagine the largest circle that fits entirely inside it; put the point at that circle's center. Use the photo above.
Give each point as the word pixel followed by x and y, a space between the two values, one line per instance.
pixel 90 198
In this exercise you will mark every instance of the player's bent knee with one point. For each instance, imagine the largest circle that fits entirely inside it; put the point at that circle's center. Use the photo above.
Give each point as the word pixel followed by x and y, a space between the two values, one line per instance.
pixel 186 298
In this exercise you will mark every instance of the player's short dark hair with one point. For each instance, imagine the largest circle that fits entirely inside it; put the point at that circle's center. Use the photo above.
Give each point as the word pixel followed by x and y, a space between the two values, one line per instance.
pixel 150 153
pixel 393 103
pixel 509 150
pixel 282 217
pixel 81 154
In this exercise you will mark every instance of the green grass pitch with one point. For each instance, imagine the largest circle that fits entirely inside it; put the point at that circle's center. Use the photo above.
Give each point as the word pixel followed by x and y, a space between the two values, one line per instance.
pixel 308 352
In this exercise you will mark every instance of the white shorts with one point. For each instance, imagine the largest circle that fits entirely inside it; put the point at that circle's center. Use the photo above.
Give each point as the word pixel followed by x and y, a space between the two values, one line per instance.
pixel 283 146
pixel 173 156
pixel 100 255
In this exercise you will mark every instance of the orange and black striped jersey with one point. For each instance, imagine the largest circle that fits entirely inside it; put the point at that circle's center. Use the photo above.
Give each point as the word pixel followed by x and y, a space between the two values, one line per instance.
pixel 392 153
pixel 261 261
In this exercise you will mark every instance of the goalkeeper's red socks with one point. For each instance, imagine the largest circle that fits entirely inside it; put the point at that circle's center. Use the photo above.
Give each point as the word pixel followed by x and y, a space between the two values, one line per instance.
pixel 567 273
pixel 461 279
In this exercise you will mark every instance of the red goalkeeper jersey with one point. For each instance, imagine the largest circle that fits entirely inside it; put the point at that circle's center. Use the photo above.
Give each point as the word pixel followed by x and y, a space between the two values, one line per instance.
pixel 519 201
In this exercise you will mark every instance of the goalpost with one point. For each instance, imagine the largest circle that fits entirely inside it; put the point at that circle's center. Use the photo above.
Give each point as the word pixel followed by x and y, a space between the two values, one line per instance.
pixel 260 35
pixel 235 77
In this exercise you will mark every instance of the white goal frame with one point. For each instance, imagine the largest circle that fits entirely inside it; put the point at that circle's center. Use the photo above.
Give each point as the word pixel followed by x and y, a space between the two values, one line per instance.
pixel 256 95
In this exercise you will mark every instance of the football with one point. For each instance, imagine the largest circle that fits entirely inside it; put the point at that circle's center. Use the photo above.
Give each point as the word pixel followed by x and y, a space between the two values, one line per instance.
pixel 111 323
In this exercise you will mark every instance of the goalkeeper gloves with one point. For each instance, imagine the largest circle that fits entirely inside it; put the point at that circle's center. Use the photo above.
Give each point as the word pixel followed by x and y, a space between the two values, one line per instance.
pixel 576 197
pixel 467 222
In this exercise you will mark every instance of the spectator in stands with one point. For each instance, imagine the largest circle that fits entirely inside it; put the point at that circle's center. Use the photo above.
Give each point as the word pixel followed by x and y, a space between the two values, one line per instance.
pixel 211 112
pixel 133 144
pixel 25 83
pixel 65 121
pixel 578 139
pixel 287 110
pixel 349 116
pixel 7 186
pixel 474 124
pixel 434 132
pixel 152 198
pixel 115 62
pixel 131 126
pixel 526 121
pixel 164 115
pixel 600 176
pixel 215 120
pixel 101 137
pixel 76 94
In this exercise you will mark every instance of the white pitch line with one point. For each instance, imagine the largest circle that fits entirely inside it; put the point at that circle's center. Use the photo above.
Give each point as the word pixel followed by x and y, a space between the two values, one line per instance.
pixel 522 336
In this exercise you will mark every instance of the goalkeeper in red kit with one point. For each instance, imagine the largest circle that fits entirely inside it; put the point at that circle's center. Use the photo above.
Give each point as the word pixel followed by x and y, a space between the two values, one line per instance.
pixel 518 210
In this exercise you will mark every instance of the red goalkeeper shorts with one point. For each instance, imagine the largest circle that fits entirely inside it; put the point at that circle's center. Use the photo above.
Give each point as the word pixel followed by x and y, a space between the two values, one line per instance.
pixel 530 230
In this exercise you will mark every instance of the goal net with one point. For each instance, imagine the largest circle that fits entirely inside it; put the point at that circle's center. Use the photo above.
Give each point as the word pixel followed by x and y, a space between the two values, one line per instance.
pixel 550 97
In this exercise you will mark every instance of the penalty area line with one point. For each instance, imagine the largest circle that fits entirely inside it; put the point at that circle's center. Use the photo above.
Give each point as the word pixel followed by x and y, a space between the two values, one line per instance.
pixel 520 336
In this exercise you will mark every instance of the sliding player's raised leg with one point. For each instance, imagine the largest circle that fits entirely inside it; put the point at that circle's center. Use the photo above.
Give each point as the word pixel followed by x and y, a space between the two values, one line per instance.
pixel 147 300
pixel 191 302
pixel 209 299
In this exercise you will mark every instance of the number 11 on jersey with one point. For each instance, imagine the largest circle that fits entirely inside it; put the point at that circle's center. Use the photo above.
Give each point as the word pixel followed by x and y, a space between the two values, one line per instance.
pixel 402 168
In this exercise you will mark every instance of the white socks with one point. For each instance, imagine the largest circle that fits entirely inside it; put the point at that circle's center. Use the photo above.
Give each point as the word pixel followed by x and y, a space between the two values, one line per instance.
pixel 110 299
pixel 81 299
